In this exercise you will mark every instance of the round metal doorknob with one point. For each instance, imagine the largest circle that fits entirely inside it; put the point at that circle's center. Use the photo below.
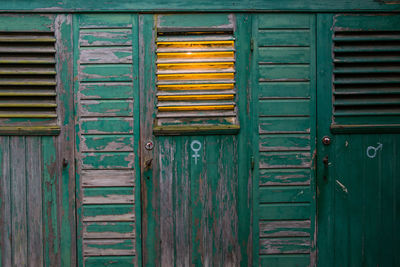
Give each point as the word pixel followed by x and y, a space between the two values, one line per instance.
pixel 326 140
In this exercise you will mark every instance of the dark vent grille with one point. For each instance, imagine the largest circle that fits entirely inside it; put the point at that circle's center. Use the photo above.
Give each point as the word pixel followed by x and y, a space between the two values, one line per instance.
pixel 27 79
pixel 366 77
pixel 196 79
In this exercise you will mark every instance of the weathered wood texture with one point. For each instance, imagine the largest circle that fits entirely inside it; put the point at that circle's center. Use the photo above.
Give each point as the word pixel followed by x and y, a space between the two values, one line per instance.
pixel 21 201
pixel 285 79
pixel 106 141
pixel 200 5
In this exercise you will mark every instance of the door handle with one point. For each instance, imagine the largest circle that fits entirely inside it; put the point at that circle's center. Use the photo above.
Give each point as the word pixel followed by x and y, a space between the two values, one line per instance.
pixel 325 160
pixel 147 164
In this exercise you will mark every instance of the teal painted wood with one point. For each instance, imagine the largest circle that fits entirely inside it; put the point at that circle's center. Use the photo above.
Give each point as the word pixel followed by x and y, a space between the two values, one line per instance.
pixel 203 5
pixel 284 192
pixel 107 111
pixel 355 204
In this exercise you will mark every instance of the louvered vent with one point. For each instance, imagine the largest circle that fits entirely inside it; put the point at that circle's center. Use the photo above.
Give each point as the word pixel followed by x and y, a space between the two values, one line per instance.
pixel 366 77
pixel 196 81
pixel 27 80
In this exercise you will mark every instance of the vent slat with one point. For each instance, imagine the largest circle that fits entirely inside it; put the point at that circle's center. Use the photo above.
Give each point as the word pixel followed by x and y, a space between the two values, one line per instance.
pixel 366 76
pixel 28 79
pixel 196 79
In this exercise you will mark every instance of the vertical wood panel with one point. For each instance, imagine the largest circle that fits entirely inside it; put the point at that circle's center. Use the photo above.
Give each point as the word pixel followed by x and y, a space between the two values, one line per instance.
pixel 5 195
pixel 18 200
pixel 166 159
pixel 34 203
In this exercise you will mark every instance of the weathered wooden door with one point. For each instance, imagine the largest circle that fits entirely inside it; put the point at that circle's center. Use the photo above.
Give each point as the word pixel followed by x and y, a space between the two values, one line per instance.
pixel 194 161
pixel 358 140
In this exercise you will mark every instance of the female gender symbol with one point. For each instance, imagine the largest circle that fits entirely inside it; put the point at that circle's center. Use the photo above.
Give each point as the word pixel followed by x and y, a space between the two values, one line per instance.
pixel 195 146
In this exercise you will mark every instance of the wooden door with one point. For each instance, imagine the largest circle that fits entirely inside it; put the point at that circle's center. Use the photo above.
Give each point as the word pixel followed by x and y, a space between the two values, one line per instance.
pixel 358 140
pixel 193 175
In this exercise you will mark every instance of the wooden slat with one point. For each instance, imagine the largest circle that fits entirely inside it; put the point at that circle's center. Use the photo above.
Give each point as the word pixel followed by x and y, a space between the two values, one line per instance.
pixel 103 73
pixel 106 143
pixel 106 108
pixel 106 125
pixel 107 160
pixel 34 195
pixel 106 55
pixel 104 195
pixel 285 245
pixel 286 194
pixel 109 261
pixel 19 202
pixel 284 142
pixel 285 260
pixel 276 160
pixel 6 196
pixel 285 211
pixel 104 178
pixel 103 247
pixel 109 230
pixel 291 107
pixel 274 125
pixel 285 228
pixel 109 90
pixel 105 37
pixel 284 176
pixel 114 212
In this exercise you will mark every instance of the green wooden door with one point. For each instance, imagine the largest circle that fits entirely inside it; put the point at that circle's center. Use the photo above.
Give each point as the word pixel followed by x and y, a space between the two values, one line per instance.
pixel 195 176
pixel 358 169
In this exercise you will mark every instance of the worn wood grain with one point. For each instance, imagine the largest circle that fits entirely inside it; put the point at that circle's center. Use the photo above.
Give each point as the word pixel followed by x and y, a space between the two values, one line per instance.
pixel 34 204
pixel 19 201
pixel 106 72
pixel 101 178
pixel 109 90
pixel 114 212
pixel 285 211
pixel 108 160
pixel 284 245
pixel 285 107
pixel 284 142
pixel 105 37
pixel 109 230
pixel 109 261
pixel 285 228
pixel 276 160
pixel 106 143
pixel 284 125
pixel 284 177
pixel 106 55
pixel 287 194
pixel 104 195
pixel 106 125
pixel 5 190
pixel 106 108
pixel 103 247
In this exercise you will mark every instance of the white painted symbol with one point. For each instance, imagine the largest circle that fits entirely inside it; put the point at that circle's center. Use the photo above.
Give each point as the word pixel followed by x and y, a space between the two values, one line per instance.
pixel 371 151
pixel 195 146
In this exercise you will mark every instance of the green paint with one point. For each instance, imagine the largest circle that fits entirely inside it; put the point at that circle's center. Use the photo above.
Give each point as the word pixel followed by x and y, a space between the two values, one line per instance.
pixel 107 107
pixel 193 20
pixel 284 89
pixel 107 125
pixel 285 194
pixel 107 143
pixel 111 227
pixel 285 211
pixel 106 90
pixel 284 260
pixel 103 210
pixel 284 54
pixel 104 72
pixel 287 37
pixel 27 22
pixel 106 192
pixel 50 214
pixel 122 244
pixel 284 72
pixel 109 261
pixel 284 177
pixel 104 160
pixel 285 107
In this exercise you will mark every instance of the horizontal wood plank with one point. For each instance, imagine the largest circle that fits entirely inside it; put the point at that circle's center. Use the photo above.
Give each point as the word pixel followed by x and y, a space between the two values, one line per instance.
pixel 114 261
pixel 284 142
pixel 285 228
pixel 105 55
pixel 276 194
pixel 284 89
pixel 284 177
pixel 104 72
pixel 104 178
pixel 284 55
pixel 103 143
pixel 107 160
pixel 285 107
pixel 105 37
pixel 284 73
pixel 106 108
pixel 107 195
pixel 285 245
pixel 106 126
pixel 276 160
pixel 285 211
pixel 99 213
pixel 105 247
pixel 109 90
pixel 295 260
pixel 284 21
pixel 109 230
pixel 284 125
pixel 283 38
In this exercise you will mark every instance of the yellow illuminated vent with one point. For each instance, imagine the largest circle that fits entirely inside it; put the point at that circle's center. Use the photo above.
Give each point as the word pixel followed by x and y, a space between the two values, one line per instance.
pixel 196 80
